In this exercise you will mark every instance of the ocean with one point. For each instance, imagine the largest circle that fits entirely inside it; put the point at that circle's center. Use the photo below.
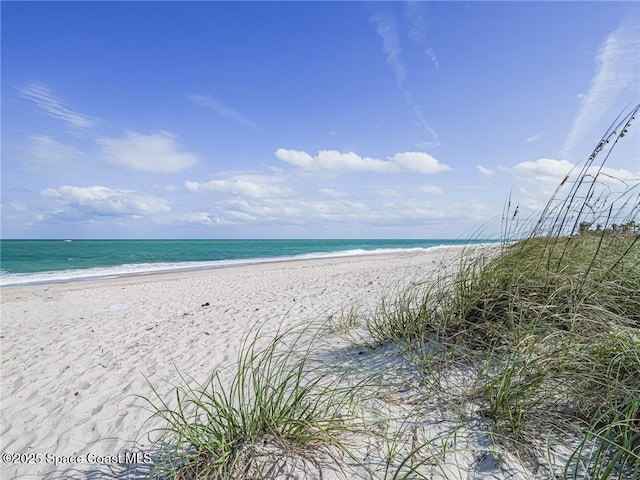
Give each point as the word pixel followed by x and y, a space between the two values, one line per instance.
pixel 49 261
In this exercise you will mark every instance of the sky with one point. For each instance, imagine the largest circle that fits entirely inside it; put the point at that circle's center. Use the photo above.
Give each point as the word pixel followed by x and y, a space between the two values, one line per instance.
pixel 304 119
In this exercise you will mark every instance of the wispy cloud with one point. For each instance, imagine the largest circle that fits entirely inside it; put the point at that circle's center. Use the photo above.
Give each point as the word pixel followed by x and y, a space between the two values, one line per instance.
pixel 44 98
pixel 415 14
pixel 422 122
pixel 430 52
pixel 618 72
pixel 48 156
pixel 207 101
pixel 535 137
pixel 387 30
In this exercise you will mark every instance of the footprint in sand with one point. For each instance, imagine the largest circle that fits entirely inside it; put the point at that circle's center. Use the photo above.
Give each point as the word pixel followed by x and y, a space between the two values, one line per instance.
pixel 84 386
pixel 96 410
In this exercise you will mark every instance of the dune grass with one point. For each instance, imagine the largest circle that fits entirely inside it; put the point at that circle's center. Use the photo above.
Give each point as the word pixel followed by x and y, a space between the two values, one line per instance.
pixel 550 332
pixel 273 411
pixel 549 327
pixel 540 335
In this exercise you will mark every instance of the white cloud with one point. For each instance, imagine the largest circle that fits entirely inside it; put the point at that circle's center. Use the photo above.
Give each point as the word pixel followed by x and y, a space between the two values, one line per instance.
pixel 487 172
pixel 616 177
pixel 45 99
pixel 105 201
pixel 334 161
pixel 618 72
pixel 432 189
pixel 149 153
pixel 296 157
pixel 420 162
pixel 546 174
pixel 207 101
pixel 550 172
pixel 537 180
pixel 314 211
pixel 254 186
pixel 544 171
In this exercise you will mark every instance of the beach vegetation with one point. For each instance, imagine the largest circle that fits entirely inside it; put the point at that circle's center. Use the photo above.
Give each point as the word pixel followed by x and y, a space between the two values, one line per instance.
pixel 273 412
pixel 530 348
pixel 548 328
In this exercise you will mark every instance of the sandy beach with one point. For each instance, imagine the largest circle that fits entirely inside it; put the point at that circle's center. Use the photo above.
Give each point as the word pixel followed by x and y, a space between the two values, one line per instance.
pixel 77 356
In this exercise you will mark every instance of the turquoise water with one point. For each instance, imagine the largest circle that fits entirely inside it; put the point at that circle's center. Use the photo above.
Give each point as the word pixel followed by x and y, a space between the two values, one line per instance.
pixel 42 261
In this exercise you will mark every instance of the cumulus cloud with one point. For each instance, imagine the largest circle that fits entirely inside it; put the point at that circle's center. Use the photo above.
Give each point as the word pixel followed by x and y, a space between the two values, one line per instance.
pixel 618 72
pixel 157 153
pixel 105 201
pixel 207 101
pixel 420 162
pixel 334 161
pixel 617 176
pixel 45 99
pixel 254 186
pixel 538 179
pixel 546 174
pixel 544 171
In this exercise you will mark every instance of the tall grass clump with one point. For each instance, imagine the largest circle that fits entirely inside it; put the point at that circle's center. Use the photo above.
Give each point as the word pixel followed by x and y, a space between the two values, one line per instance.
pixel 275 412
pixel 549 326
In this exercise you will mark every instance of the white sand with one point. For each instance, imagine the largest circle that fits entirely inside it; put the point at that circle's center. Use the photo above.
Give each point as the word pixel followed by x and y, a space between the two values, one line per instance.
pixel 75 355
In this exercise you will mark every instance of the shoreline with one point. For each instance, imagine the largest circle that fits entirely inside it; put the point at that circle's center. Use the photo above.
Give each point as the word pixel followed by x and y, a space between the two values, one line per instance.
pixel 321 256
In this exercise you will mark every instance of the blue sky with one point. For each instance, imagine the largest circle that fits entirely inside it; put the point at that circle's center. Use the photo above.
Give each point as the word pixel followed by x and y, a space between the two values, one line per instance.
pixel 303 119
